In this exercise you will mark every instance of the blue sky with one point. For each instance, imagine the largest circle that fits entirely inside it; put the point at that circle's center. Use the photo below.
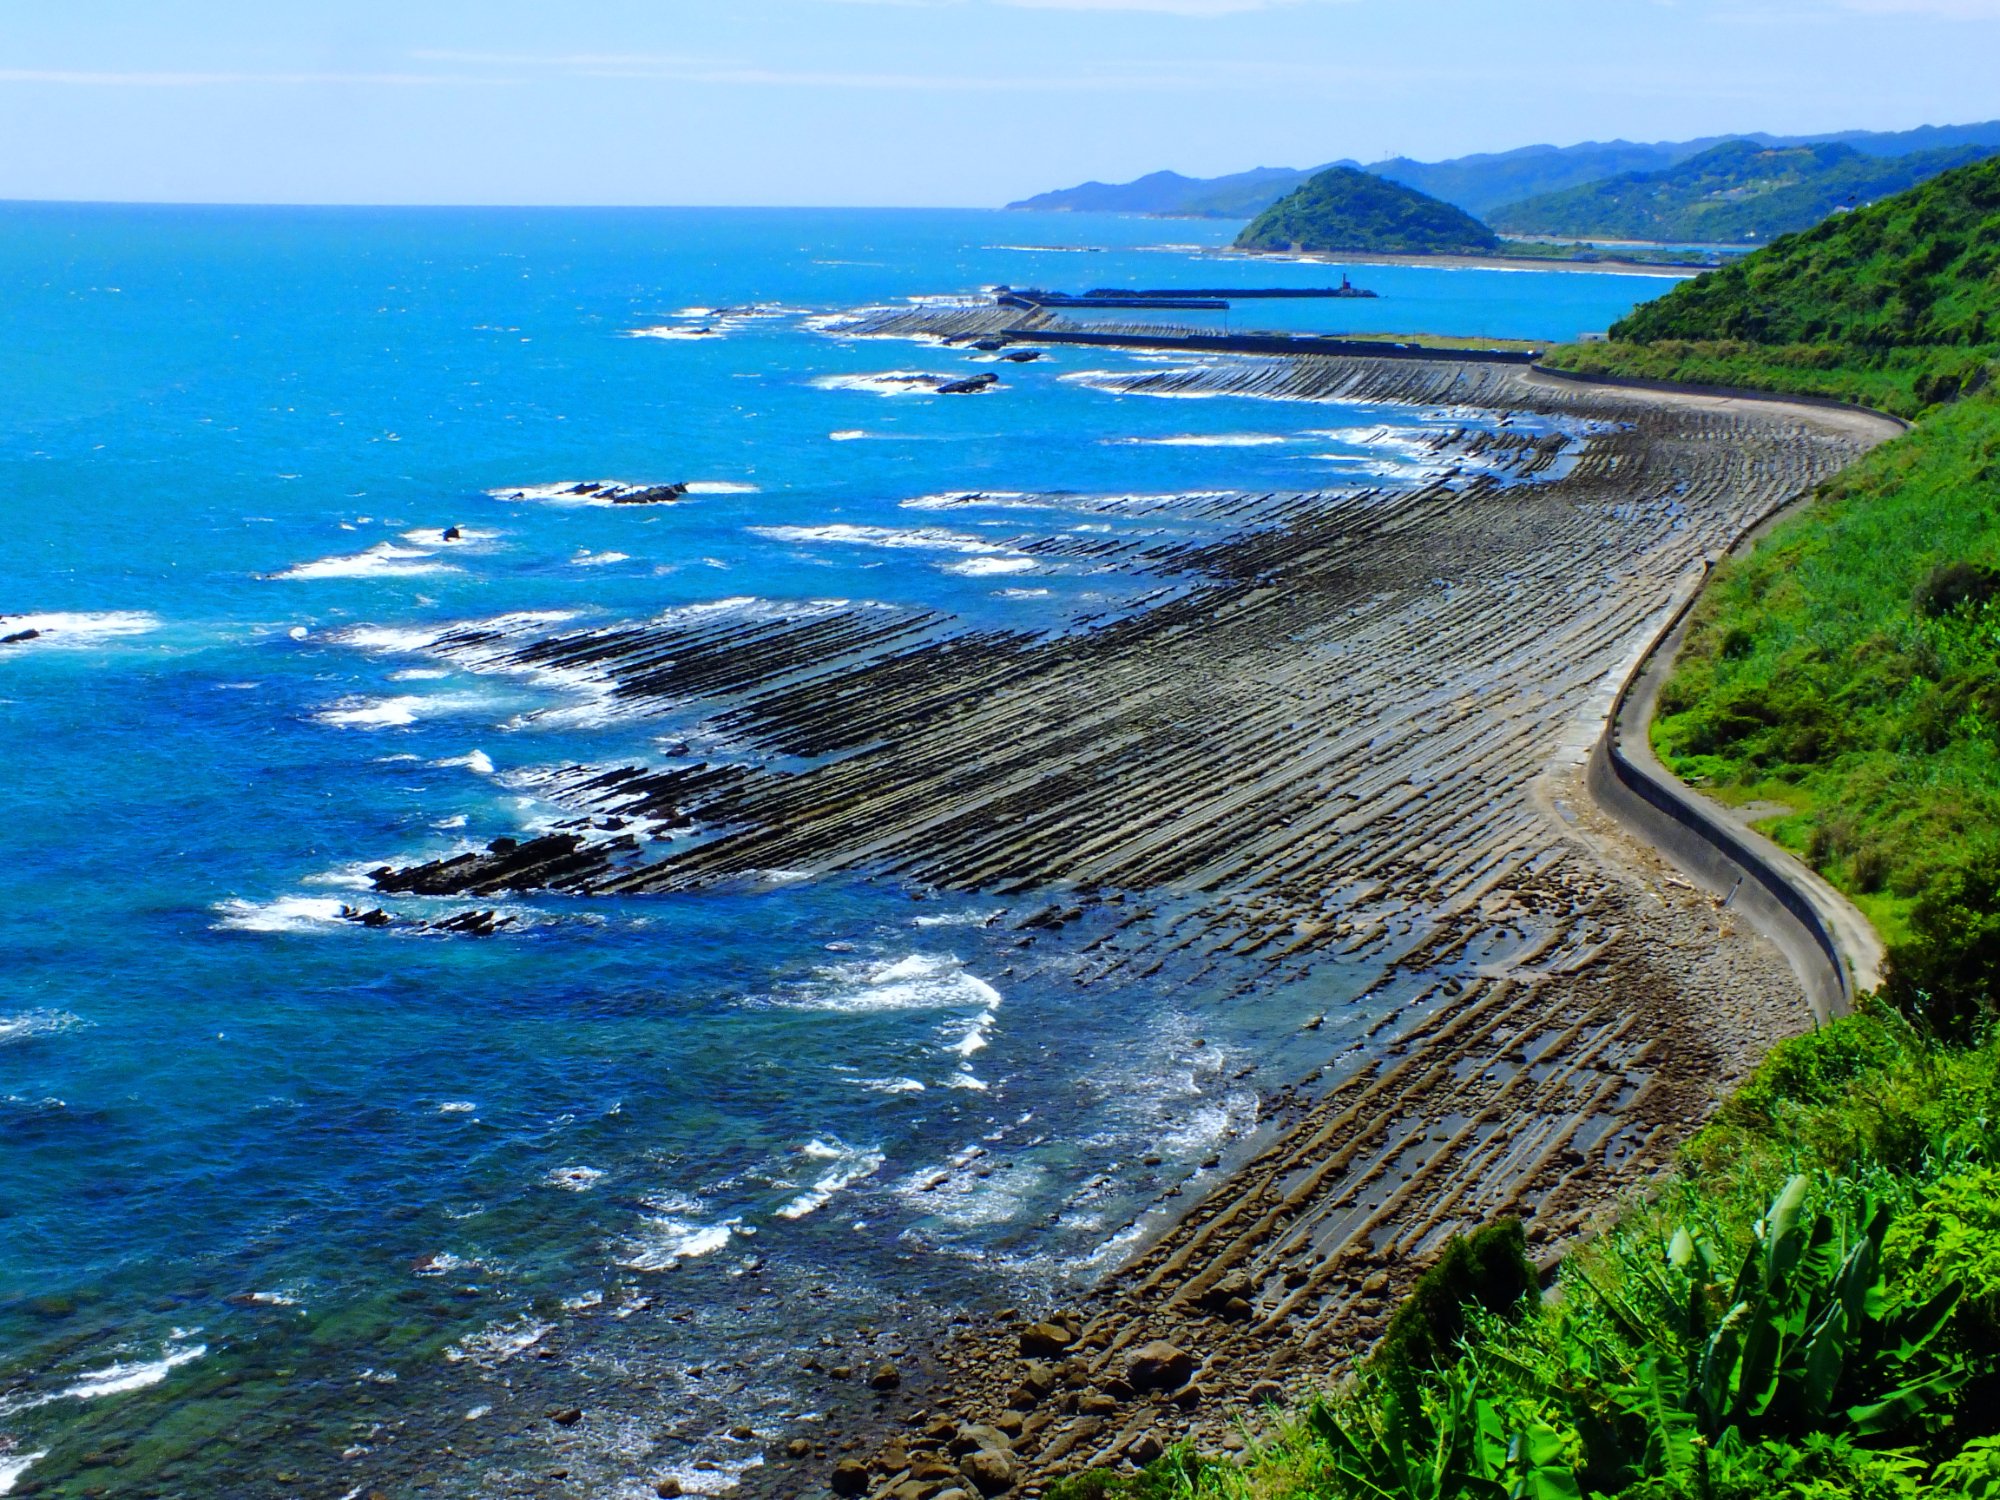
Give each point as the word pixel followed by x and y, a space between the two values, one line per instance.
pixel 911 102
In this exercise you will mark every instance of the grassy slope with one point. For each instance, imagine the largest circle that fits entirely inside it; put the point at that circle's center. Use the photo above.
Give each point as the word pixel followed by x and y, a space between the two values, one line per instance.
pixel 1897 305
pixel 1342 209
pixel 1738 191
pixel 1812 678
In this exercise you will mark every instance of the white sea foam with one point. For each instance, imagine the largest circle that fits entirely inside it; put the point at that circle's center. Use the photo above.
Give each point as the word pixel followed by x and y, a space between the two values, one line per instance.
pixel 897 383
pixel 445 1263
pixel 884 383
pixel 845 1166
pixel 1023 594
pixel 383 560
pixel 986 567
pixel 956 1193
pixel 976 1036
pixel 573 1179
pixel 719 1480
pixel 477 762
pixel 847 435
pixel 921 981
pixel 38 1023
pixel 958 919
pixel 722 487
pixel 457 1107
pixel 960 499
pixel 606 493
pixel 674 1232
pixel 286 914
pixel 434 536
pixel 392 639
pixel 374 713
pixel 412 640
pixel 712 322
pixel 497 1344
pixel 114 1380
pixel 398 711
pixel 585 558
pixel 67 628
pixel 895 537
pixel 14 1465
pixel 1205 440
pixel 892 1085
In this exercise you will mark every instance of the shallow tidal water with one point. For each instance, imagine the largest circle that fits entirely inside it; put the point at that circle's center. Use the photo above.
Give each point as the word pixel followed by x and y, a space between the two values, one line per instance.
pixel 289 1205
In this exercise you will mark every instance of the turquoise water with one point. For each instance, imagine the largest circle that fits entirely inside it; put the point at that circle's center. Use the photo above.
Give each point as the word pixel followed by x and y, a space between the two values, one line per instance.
pixel 284 1199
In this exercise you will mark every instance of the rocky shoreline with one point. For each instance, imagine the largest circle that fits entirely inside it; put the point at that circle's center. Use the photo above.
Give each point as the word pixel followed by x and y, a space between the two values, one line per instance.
pixel 1356 732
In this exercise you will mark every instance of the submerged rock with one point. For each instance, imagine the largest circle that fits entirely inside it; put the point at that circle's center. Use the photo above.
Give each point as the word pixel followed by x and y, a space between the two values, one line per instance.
pixel 657 494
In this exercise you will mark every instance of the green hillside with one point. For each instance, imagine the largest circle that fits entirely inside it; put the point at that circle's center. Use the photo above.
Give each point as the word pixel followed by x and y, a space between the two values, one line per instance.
pixel 1345 209
pixel 1918 269
pixel 1739 191
pixel 1897 304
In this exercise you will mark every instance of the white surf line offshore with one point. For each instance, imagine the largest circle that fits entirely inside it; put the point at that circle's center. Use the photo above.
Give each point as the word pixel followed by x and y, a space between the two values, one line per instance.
pixel 77 627
pixel 116 1379
pixel 980 559
pixel 846 1165
pixel 383 560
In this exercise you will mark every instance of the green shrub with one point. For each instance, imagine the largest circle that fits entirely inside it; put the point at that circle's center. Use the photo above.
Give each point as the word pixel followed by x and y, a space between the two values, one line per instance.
pixel 1487 1269
pixel 1952 1236
pixel 1973 1473
pixel 1952 585
pixel 1947 975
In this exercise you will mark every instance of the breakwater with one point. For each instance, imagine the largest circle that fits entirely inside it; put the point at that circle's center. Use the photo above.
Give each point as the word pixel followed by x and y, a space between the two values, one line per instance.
pixel 1315 345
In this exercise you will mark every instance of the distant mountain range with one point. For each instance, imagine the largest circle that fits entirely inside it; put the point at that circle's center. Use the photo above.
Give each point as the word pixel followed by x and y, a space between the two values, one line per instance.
pixel 1478 184
pixel 1738 192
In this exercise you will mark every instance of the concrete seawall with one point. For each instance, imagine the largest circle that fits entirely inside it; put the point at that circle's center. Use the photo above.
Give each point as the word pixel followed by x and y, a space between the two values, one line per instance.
pixel 1694 836
pixel 1828 943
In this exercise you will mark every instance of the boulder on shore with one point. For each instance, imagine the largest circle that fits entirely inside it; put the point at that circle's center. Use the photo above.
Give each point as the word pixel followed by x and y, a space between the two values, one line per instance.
pixel 991 1470
pixel 1159 1366
pixel 1041 1340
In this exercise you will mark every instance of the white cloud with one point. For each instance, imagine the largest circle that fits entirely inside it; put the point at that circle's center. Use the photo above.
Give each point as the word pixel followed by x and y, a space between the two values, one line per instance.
pixel 90 79
pixel 1952 10
pixel 1157 7
pixel 1150 7
pixel 1134 76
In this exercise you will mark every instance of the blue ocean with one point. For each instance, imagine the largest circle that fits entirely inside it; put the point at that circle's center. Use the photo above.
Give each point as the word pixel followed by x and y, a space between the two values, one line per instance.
pixel 292 1204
